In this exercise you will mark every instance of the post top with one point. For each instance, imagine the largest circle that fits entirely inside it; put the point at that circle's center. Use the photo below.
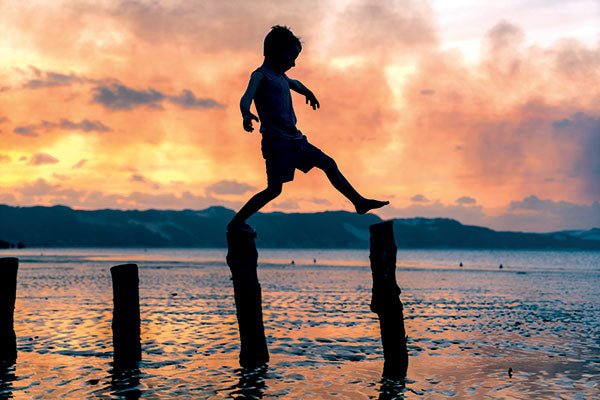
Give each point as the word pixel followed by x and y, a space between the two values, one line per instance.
pixel 382 226
pixel 124 269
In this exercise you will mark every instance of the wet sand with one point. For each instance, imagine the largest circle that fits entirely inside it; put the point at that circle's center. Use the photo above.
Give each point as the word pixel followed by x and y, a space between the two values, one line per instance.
pixel 466 328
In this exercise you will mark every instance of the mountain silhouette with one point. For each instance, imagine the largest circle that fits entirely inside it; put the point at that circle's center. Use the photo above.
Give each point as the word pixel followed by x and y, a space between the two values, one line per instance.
pixel 61 226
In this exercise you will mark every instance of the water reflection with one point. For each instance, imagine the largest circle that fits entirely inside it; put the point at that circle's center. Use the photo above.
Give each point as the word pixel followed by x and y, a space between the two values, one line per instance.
pixel 252 383
pixel 7 376
pixel 125 383
pixel 467 328
pixel 392 388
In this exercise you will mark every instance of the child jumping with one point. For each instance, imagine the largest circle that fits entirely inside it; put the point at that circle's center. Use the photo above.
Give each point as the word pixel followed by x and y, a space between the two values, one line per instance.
pixel 284 147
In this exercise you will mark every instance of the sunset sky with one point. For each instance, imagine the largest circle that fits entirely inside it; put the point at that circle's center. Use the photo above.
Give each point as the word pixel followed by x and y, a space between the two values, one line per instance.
pixel 487 112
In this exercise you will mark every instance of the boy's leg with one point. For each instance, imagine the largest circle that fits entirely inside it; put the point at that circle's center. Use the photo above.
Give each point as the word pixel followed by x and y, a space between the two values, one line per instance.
pixel 258 201
pixel 339 181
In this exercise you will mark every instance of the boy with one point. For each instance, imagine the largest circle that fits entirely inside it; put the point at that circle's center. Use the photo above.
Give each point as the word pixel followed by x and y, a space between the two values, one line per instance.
pixel 284 147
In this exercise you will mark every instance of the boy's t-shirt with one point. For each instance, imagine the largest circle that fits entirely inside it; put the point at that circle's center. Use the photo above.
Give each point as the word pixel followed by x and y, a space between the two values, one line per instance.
pixel 273 102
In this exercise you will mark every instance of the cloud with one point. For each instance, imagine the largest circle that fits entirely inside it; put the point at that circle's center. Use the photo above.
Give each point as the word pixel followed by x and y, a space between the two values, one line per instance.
pixel 42 159
pixel 383 26
pixel 61 177
pixel 187 99
pixel 4 119
pixel 46 79
pixel 79 164
pixel 85 125
pixel 585 129
pixel 419 198
pixel 137 178
pixel 4 158
pixel 117 96
pixel 186 200
pixel 530 214
pixel 8 198
pixel 229 187
pixel 523 119
pixel 39 187
pixel 286 205
pixel 503 36
pixel 215 26
pixel 27 130
pixel 121 97
pixel 466 200
pixel 535 214
pixel 143 179
pixel 42 192
pixel 531 203
pixel 320 201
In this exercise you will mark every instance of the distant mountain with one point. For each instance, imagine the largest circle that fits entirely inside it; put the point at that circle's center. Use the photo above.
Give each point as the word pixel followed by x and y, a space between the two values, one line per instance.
pixel 448 233
pixel 61 226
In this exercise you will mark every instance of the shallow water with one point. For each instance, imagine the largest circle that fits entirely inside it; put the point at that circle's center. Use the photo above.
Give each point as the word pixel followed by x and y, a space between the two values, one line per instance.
pixel 538 315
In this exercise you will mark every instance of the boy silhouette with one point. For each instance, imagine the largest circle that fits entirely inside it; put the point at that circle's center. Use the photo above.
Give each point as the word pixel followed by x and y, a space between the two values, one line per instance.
pixel 283 146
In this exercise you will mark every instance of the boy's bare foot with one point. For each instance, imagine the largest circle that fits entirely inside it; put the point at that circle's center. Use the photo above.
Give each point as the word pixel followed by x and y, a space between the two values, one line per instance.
pixel 240 227
pixel 367 205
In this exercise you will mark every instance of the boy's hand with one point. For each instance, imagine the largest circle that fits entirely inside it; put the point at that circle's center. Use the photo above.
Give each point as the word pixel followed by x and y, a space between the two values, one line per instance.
pixel 312 101
pixel 248 121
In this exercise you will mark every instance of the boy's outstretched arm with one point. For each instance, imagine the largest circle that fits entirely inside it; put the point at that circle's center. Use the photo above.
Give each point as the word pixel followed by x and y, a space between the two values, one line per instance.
pixel 246 100
pixel 298 87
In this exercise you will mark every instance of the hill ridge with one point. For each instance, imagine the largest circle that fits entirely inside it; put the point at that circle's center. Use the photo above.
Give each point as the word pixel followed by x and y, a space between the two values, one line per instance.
pixel 62 226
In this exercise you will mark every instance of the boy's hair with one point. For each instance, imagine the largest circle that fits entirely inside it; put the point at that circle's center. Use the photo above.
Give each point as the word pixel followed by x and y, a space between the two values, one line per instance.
pixel 279 39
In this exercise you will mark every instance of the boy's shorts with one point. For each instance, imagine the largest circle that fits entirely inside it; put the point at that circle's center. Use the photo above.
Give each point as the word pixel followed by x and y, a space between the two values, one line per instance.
pixel 284 156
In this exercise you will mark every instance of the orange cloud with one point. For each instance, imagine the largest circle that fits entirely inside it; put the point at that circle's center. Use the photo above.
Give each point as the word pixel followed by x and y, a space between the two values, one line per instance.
pixel 42 159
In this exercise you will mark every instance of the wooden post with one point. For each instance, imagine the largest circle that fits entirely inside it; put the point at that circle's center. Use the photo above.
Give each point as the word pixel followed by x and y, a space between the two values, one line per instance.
pixel 8 293
pixel 242 259
pixel 126 315
pixel 386 300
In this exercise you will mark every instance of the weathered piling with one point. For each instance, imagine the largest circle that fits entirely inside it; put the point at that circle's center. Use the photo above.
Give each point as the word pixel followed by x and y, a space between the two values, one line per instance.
pixel 386 299
pixel 242 258
pixel 126 315
pixel 8 293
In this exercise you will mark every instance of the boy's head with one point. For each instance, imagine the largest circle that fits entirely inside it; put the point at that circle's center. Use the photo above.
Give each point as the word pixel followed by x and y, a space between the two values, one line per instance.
pixel 282 47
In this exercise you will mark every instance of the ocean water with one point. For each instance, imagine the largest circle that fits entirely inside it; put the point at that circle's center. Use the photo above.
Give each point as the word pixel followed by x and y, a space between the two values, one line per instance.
pixel 538 315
